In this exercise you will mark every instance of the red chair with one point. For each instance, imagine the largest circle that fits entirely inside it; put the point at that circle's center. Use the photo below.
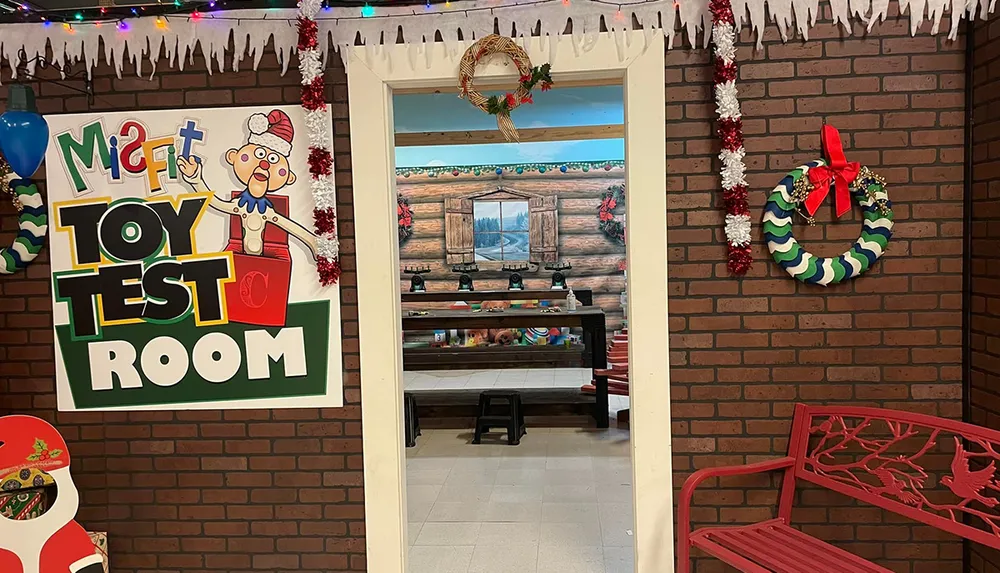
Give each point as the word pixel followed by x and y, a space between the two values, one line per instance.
pixel 873 455
pixel 617 374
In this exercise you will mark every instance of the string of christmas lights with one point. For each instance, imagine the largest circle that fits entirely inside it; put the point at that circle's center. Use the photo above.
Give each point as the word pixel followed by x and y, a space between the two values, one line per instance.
pixel 734 184
pixel 163 11
pixel 320 156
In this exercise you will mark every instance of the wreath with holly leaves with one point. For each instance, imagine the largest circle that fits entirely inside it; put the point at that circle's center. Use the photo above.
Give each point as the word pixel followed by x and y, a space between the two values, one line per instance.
pixel 612 227
pixel 404 215
pixel 501 106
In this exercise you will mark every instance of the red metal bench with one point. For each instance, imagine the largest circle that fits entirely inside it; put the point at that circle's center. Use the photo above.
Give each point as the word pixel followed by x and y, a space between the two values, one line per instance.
pixel 894 460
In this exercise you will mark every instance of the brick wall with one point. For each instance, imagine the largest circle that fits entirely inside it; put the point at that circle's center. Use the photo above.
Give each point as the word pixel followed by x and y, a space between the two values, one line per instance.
pixel 273 491
pixel 742 352
pixel 216 491
pixel 985 254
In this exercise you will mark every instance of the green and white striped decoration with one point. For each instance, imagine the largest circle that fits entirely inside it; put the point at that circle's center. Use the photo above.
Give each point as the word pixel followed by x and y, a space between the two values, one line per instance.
pixel 876 230
pixel 33 222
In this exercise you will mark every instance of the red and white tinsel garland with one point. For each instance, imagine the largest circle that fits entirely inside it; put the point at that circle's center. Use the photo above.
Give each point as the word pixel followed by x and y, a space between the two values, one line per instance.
pixel 320 145
pixel 734 184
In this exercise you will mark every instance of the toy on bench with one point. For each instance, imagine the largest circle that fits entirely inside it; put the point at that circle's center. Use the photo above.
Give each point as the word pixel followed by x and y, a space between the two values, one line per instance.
pixel 880 457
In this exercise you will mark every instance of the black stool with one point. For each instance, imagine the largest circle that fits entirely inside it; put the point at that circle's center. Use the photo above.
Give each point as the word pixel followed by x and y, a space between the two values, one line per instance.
pixel 410 419
pixel 513 422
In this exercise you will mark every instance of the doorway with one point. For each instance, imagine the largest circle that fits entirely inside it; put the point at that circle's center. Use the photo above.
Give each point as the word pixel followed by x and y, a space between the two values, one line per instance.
pixel 373 74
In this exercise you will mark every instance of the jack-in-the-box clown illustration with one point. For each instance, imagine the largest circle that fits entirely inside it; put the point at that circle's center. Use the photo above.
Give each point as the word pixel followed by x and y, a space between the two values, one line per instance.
pixel 262 166
pixel 53 542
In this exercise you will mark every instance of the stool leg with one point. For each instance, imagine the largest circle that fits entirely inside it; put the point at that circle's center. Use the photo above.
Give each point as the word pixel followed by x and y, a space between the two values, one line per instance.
pixel 416 418
pixel 514 426
pixel 483 407
pixel 523 428
pixel 408 420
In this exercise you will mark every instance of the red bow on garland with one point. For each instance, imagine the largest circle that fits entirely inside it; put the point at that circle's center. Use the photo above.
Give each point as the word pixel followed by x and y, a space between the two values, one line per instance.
pixel 837 173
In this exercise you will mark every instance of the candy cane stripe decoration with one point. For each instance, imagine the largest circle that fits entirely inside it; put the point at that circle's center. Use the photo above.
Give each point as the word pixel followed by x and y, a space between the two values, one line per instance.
pixel 734 185
pixel 320 156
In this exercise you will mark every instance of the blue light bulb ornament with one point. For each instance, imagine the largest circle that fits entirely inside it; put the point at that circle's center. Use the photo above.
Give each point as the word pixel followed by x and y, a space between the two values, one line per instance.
pixel 24 134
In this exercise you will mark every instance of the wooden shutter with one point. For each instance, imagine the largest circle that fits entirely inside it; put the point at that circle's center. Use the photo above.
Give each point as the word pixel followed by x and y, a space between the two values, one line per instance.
pixel 543 236
pixel 458 231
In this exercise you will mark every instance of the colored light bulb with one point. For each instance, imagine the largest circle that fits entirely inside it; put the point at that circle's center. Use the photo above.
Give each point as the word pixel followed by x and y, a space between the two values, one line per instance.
pixel 367 11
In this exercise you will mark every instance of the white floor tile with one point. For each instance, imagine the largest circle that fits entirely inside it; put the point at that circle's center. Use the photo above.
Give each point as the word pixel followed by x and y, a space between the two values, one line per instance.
pixel 563 559
pixel 509 559
pixel 521 512
pixel 465 493
pixel 508 534
pixel 619 560
pixel 569 512
pixel 517 493
pixel 459 533
pixel 451 559
pixel 559 503
pixel 571 534
pixel 427 477
pixel 418 511
pixel 521 477
pixel 418 493
pixel 570 493
pixel 458 511
pixel 413 530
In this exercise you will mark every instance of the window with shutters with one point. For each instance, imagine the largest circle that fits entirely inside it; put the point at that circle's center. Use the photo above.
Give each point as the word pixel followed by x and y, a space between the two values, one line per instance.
pixel 500 230
pixel 502 225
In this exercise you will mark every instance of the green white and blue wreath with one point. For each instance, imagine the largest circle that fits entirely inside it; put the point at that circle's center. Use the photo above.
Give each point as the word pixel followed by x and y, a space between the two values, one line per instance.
pixel 32 222
pixel 789 198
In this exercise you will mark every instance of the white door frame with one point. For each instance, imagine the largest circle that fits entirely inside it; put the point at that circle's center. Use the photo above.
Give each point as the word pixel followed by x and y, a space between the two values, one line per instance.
pixel 372 74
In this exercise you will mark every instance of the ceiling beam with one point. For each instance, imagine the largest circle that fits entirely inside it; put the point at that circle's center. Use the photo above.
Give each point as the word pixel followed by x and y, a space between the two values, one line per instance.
pixel 509 86
pixel 613 131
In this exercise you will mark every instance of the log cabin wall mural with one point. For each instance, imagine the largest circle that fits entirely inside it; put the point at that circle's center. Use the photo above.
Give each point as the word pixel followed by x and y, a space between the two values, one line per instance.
pixel 504 215
pixel 476 219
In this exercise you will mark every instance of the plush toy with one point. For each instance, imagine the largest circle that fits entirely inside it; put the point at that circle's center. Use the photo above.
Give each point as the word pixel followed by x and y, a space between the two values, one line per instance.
pixel 476 337
pixel 53 542
pixel 503 337
pixel 491 304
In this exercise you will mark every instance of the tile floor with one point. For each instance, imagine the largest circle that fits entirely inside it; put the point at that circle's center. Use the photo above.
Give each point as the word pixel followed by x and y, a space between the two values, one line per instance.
pixel 507 379
pixel 560 502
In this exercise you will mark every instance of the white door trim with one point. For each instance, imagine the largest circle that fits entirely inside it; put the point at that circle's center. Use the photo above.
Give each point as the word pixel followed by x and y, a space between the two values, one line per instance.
pixel 637 59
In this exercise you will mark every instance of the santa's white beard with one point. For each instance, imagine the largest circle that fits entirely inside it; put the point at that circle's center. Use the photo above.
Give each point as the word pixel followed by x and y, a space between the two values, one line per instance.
pixel 26 538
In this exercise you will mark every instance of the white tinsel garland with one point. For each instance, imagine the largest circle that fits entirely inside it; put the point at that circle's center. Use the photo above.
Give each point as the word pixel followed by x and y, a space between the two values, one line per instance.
pixel 738 229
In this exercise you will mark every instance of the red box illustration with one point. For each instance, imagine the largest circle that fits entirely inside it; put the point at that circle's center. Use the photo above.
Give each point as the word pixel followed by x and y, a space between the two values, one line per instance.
pixel 259 295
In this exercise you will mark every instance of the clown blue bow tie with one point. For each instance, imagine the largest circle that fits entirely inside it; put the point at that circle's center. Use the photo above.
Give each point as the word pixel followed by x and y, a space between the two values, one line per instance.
pixel 261 204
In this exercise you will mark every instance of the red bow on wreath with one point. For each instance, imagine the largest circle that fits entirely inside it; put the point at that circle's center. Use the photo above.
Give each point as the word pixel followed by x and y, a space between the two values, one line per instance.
pixel 837 173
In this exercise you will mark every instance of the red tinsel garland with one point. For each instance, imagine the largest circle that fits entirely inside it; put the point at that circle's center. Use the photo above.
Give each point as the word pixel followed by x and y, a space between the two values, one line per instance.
pixel 320 157
pixel 730 132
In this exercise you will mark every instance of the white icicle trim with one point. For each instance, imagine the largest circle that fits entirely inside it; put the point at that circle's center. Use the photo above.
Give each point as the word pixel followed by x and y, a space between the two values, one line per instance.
pixel 327 246
pixel 727 100
pixel 733 169
pixel 738 229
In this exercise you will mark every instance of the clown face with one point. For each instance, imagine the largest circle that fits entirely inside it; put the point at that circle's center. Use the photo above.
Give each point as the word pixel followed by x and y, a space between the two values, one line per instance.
pixel 260 169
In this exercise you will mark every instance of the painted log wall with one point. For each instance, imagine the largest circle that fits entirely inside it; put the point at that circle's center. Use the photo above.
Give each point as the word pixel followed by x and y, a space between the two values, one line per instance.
pixel 594 257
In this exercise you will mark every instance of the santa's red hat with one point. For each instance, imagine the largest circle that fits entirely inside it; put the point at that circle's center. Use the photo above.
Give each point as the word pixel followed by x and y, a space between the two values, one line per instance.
pixel 273 131
pixel 27 442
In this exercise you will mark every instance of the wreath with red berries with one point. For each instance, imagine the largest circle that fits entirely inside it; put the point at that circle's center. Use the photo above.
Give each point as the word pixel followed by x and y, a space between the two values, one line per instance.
pixel 529 77
pixel 405 215
pixel 611 226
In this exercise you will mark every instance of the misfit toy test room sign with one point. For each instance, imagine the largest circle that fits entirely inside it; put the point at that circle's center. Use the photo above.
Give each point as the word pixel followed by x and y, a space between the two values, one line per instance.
pixel 184 262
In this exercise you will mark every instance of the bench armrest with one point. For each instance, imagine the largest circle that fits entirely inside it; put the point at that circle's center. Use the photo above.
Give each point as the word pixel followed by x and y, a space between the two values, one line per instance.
pixel 687 493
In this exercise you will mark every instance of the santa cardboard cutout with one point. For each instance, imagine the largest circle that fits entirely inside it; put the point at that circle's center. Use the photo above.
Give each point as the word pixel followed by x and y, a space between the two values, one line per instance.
pixel 52 542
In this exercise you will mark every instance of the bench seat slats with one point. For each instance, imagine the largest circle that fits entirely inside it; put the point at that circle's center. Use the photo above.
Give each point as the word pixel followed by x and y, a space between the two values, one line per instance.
pixel 774 546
